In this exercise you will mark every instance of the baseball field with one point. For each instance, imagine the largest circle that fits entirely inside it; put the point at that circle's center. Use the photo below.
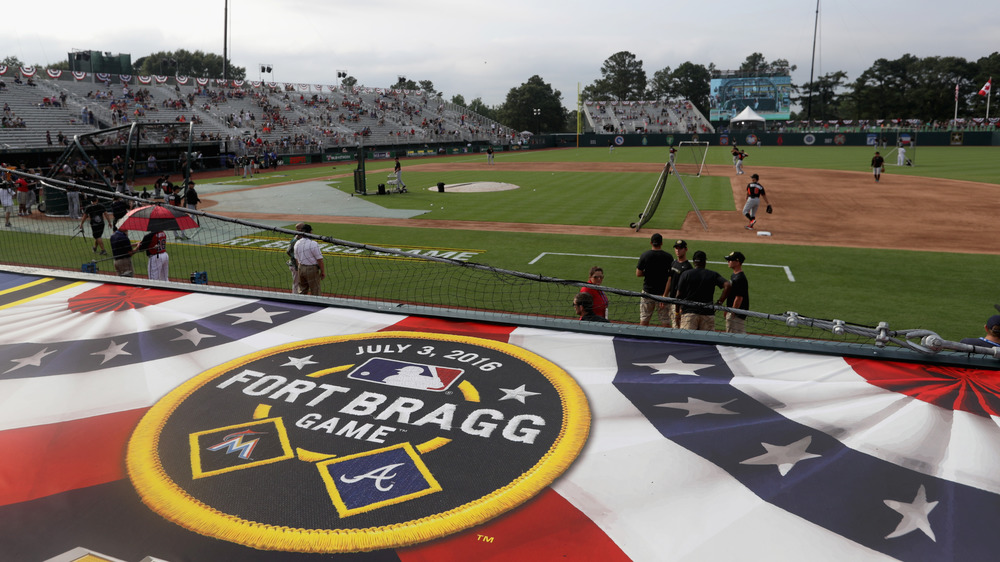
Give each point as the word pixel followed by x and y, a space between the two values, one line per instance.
pixel 916 250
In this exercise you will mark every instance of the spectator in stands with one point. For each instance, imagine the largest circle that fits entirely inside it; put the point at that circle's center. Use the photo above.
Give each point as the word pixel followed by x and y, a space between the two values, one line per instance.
pixel 992 337
pixel 583 303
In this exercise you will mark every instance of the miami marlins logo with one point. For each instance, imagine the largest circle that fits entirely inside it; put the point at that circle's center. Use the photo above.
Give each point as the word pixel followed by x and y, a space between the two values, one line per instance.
pixel 355 443
pixel 234 443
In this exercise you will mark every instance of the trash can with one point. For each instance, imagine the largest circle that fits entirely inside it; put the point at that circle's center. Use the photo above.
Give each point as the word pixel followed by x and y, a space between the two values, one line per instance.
pixel 440 187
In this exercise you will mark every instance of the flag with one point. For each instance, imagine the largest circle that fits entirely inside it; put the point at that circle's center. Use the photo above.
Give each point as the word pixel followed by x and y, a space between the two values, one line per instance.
pixel 985 90
pixel 696 451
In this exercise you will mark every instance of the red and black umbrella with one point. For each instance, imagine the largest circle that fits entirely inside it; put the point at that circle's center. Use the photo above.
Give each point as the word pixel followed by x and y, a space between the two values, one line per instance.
pixel 156 217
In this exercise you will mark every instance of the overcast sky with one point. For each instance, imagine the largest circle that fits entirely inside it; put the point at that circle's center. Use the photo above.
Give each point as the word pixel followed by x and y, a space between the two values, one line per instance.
pixel 483 49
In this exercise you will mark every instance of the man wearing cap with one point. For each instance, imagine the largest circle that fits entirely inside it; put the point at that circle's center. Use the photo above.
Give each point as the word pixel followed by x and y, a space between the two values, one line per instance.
pixel 654 268
pixel 755 192
pixel 293 266
pixel 739 294
pixel 679 266
pixel 992 337
pixel 310 260
pixel 698 285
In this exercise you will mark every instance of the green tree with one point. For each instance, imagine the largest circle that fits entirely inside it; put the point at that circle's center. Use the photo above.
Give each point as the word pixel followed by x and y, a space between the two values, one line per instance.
pixel 349 82
pixel 534 106
pixel 197 64
pixel 692 82
pixel 477 106
pixel 821 98
pixel 428 87
pixel 404 83
pixel 458 99
pixel 659 85
pixel 12 62
pixel 622 79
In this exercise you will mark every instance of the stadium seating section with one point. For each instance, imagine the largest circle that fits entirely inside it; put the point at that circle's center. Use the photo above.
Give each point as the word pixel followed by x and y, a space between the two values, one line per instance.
pixel 43 112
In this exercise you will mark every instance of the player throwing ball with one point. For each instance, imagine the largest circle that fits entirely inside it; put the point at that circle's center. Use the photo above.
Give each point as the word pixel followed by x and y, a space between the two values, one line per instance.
pixel 755 192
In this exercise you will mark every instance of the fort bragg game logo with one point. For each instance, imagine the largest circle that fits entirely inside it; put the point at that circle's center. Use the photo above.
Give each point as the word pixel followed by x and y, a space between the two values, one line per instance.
pixel 356 443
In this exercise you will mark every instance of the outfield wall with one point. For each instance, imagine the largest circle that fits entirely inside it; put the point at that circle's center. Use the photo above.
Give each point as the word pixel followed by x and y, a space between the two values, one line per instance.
pixel 831 138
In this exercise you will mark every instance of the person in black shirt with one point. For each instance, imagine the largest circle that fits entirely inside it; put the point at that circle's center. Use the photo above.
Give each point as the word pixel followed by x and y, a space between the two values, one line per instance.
pixel 583 303
pixel 98 216
pixel 698 285
pixel 654 268
pixel 739 294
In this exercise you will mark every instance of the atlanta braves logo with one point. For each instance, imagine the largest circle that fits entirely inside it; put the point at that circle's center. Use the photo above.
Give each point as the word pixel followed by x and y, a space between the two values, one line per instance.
pixel 378 475
pixel 358 442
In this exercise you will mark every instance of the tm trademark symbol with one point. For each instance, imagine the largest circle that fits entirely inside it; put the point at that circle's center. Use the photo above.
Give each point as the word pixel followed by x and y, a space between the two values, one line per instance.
pixel 484 538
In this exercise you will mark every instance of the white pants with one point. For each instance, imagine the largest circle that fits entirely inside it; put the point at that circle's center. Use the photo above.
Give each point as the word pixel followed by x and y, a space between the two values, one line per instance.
pixel 750 207
pixel 159 267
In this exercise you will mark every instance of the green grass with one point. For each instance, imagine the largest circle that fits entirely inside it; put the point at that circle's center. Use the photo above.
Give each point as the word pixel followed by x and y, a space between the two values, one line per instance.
pixel 951 294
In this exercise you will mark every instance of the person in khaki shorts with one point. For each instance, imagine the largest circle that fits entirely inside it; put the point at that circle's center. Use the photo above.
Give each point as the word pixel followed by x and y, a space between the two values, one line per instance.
pixel 698 285
pixel 654 268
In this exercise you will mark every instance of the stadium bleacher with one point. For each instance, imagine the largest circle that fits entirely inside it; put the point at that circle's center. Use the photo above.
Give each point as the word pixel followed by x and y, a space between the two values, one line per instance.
pixel 284 117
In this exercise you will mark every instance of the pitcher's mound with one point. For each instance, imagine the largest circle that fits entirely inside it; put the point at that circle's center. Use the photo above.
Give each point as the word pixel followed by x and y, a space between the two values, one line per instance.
pixel 476 187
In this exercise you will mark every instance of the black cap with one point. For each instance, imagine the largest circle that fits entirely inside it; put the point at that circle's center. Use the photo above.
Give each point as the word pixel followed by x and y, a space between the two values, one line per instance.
pixel 738 256
pixel 993 322
pixel 699 256
pixel 755 176
pixel 680 244
pixel 656 239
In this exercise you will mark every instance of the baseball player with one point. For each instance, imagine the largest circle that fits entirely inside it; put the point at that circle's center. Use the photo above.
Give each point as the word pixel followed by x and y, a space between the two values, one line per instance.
pixel 739 162
pixel 755 192
pixel 901 156
pixel 878 164
pixel 673 157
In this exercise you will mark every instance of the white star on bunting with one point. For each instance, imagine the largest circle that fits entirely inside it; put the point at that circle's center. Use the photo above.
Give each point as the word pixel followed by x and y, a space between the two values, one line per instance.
pixel 35 360
pixel 259 315
pixel 915 515
pixel 113 350
pixel 696 407
pixel 192 335
pixel 673 366
pixel 784 456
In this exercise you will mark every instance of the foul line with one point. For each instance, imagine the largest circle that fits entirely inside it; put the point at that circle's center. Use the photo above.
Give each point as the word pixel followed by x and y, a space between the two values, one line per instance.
pixel 788 270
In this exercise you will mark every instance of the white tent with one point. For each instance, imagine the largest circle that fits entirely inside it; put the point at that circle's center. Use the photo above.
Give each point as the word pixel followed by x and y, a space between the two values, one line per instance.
pixel 747 119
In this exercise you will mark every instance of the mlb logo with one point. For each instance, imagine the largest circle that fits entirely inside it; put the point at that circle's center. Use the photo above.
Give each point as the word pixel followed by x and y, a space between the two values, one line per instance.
pixel 404 374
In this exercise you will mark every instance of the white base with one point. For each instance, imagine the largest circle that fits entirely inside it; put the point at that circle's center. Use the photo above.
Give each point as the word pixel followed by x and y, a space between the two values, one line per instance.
pixel 763 233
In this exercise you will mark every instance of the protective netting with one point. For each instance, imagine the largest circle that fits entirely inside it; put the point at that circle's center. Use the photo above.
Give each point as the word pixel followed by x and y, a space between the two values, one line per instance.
pixel 236 253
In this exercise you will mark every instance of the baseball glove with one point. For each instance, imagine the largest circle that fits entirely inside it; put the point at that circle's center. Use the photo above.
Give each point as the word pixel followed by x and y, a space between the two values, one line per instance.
pixel 769 209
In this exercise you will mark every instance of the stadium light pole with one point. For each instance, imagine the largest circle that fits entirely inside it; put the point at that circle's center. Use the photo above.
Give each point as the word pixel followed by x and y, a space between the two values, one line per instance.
pixel 538 114
pixel 225 41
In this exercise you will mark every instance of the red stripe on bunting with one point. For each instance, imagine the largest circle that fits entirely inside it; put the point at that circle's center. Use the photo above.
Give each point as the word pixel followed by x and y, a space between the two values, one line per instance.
pixel 439 326
pixel 954 388
pixel 546 528
pixel 42 460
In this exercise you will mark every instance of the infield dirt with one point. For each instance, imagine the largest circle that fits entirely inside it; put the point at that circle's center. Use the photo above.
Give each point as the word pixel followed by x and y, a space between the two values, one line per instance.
pixel 811 207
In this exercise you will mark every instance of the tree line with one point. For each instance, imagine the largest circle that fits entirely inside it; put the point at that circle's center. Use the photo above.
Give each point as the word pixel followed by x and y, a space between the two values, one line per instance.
pixel 907 87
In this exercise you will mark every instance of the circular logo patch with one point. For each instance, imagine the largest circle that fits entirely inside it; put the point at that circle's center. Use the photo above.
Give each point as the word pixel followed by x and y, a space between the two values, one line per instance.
pixel 355 443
